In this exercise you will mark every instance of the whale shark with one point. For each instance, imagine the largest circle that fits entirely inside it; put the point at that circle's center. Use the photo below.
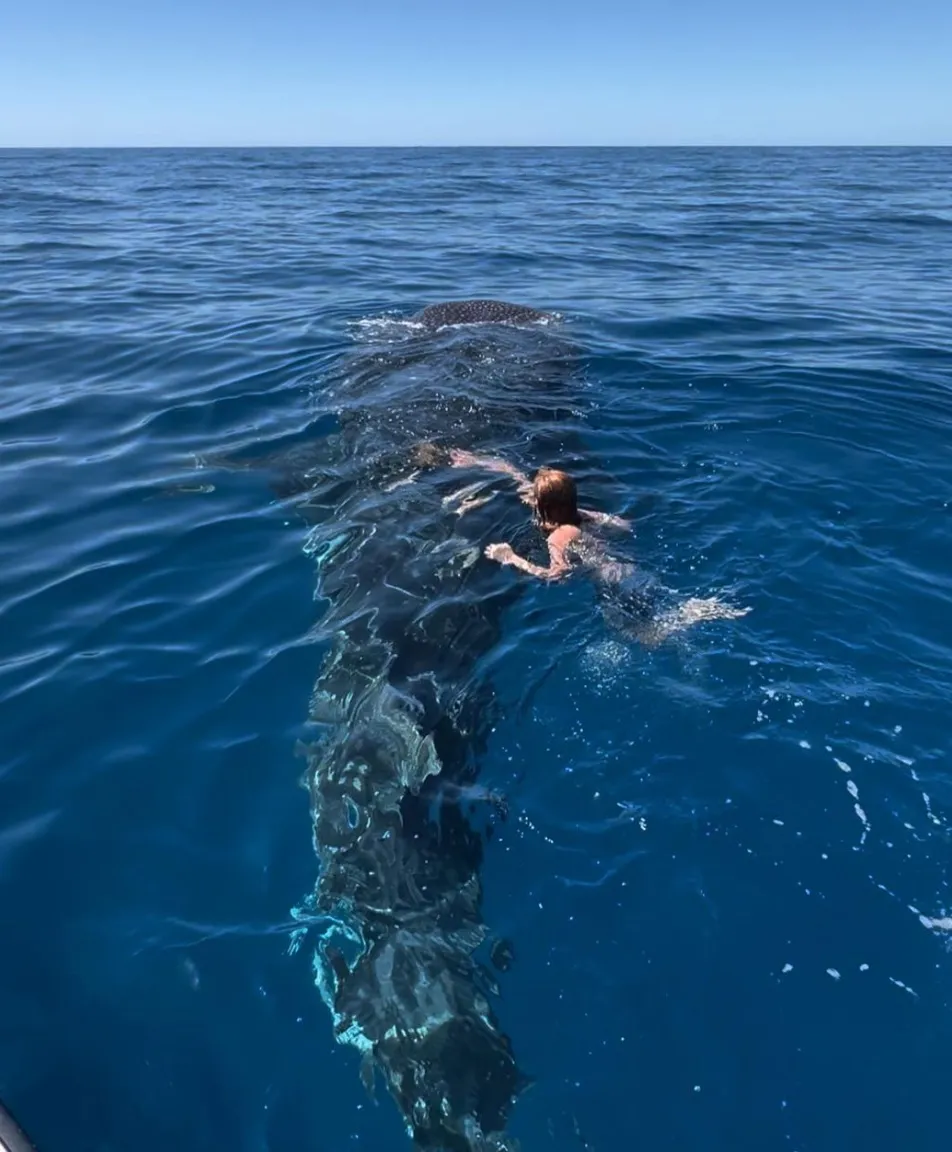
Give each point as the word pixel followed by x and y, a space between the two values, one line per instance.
pixel 404 703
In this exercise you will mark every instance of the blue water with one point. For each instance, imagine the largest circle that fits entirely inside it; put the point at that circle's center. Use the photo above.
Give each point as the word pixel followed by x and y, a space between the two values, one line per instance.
pixel 726 864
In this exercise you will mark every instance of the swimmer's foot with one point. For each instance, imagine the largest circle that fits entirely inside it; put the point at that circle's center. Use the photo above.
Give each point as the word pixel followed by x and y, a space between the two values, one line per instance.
pixel 693 611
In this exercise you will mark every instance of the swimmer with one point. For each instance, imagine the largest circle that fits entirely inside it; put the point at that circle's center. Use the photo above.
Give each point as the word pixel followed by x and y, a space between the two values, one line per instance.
pixel 554 497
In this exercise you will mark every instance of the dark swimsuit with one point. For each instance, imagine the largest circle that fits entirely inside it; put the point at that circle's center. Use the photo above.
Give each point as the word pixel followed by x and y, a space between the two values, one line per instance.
pixel 627 594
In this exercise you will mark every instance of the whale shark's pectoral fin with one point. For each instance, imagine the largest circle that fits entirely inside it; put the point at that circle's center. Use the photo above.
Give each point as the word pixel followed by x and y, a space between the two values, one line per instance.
pixel 368 1075
pixel 502 954
pixel 301 470
pixel 357 661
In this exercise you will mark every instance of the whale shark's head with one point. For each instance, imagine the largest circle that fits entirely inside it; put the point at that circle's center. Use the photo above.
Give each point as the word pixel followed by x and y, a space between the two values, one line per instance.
pixel 479 312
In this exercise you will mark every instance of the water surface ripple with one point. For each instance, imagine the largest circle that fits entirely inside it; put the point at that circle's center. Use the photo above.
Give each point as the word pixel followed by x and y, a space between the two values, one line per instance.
pixel 725 872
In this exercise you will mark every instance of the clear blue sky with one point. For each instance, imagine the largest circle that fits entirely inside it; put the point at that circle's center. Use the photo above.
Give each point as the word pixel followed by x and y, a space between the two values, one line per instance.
pixel 124 72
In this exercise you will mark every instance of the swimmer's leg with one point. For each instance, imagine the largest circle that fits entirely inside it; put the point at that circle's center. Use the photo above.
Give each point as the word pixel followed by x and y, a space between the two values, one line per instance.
pixel 692 611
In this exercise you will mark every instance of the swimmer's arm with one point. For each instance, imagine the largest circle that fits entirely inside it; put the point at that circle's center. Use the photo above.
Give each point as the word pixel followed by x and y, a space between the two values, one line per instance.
pixel 462 459
pixel 559 563
pixel 604 519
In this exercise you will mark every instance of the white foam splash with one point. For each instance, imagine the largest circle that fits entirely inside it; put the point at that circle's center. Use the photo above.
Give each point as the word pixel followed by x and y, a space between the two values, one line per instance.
pixel 932 816
pixel 936 923
pixel 605 662
pixel 386 327
pixel 524 819
pixel 904 987
pixel 854 792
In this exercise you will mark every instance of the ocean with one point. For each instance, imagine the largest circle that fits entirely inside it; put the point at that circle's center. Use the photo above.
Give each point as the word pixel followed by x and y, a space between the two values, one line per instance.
pixel 724 875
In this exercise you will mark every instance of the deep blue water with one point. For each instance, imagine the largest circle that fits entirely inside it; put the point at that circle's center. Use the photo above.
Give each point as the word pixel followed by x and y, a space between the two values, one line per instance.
pixel 726 857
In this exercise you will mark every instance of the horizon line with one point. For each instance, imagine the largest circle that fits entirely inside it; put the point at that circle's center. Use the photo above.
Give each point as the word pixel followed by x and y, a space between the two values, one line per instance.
pixel 444 147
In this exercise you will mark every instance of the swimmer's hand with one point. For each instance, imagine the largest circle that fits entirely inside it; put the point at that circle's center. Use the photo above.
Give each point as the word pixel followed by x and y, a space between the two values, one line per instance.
pixel 558 564
pixel 501 553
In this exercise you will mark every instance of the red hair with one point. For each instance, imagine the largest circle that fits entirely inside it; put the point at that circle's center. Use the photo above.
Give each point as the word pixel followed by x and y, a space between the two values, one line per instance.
pixel 556 498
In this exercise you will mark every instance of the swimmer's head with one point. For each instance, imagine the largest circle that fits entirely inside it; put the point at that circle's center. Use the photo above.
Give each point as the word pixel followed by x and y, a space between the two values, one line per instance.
pixel 556 498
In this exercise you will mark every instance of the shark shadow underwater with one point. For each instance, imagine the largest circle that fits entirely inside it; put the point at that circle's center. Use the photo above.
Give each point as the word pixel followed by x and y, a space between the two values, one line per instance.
pixel 412 615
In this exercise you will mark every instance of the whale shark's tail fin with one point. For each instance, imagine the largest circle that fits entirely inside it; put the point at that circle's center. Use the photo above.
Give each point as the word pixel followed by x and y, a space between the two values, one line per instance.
pixel 416 1004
